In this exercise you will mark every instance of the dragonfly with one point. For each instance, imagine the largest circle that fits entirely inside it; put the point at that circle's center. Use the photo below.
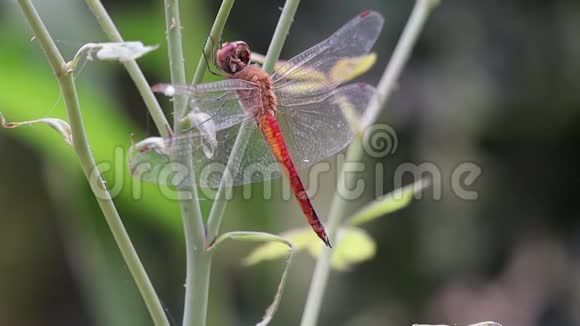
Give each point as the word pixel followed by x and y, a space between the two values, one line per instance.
pixel 295 117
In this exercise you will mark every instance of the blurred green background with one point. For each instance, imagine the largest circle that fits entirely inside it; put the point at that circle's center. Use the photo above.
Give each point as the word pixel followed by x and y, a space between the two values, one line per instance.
pixel 495 83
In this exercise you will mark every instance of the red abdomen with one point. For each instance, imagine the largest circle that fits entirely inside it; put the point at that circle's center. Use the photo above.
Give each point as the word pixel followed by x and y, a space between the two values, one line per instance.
pixel 271 131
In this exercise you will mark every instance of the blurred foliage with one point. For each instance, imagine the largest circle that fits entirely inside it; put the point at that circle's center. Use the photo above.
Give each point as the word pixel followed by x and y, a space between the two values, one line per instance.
pixel 354 245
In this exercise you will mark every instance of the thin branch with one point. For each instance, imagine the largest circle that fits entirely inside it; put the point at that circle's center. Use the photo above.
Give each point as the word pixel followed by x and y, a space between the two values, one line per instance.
pixel 218 206
pixel 191 212
pixel 409 37
pixel 280 35
pixel 175 50
pixel 132 68
pixel 214 36
pixel 198 264
pixel 399 59
pixel 89 167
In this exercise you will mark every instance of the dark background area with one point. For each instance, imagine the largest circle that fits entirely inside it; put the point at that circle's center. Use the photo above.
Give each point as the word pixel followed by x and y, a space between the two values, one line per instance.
pixel 495 83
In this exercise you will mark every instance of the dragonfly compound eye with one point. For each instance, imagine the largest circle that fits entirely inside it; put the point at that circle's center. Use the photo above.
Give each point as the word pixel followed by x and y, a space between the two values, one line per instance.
pixel 233 57
pixel 243 53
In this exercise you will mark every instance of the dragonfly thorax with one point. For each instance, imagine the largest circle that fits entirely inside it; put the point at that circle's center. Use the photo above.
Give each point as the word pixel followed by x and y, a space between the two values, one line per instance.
pixel 266 100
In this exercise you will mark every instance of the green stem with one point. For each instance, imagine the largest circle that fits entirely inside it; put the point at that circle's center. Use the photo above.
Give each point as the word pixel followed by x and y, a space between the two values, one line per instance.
pixel 355 152
pixel 88 164
pixel 274 50
pixel 132 68
pixel 218 207
pixel 399 59
pixel 198 265
pixel 280 35
pixel 214 36
pixel 175 51
pixel 250 236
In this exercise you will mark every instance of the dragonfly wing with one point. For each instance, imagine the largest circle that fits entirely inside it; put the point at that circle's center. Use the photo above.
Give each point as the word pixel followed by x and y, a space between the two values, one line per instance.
pixel 254 161
pixel 217 103
pixel 323 126
pixel 216 113
pixel 160 161
pixel 165 161
pixel 326 65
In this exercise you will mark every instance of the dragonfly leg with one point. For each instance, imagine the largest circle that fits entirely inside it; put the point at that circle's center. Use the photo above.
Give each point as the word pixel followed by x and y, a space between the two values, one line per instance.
pixel 213 63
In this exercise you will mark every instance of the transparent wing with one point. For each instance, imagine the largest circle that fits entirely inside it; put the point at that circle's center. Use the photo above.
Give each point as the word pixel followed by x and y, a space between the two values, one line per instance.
pixel 316 130
pixel 217 101
pixel 254 161
pixel 164 161
pixel 326 65
pixel 323 125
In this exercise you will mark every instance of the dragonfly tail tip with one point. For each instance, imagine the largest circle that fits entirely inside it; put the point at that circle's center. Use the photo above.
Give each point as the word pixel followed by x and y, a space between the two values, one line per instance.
pixel 327 241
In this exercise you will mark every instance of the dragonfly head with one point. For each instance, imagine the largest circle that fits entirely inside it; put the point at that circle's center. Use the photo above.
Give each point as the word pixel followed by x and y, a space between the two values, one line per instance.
pixel 232 57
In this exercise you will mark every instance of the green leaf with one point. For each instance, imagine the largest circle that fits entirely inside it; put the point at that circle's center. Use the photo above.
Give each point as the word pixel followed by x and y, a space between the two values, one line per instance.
pixel 388 203
pixel 353 246
pixel 300 239
pixel 57 124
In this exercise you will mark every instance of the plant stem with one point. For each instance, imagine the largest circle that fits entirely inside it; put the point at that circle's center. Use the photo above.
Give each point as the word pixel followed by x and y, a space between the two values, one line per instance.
pixel 198 265
pixel 132 68
pixel 218 207
pixel 407 41
pixel 280 35
pixel 175 51
pixel 274 50
pixel 415 24
pixel 81 147
pixel 214 36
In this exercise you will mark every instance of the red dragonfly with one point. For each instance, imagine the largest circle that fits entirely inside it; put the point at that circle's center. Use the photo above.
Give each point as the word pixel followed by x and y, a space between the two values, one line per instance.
pixel 297 116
